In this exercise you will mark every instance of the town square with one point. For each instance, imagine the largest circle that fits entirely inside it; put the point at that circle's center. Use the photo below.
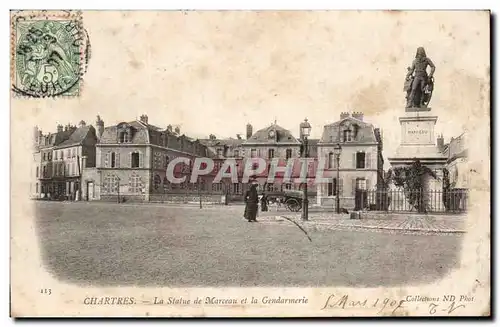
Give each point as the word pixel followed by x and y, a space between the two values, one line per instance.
pixel 141 204
pixel 255 163
pixel 91 243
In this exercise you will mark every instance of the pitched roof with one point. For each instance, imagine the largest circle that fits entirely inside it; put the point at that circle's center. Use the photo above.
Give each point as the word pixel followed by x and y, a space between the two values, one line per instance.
pixel 56 138
pixel 221 142
pixel 77 137
pixel 282 135
pixel 364 131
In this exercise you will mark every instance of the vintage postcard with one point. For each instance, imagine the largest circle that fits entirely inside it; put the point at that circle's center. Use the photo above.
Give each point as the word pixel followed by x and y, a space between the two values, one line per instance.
pixel 250 163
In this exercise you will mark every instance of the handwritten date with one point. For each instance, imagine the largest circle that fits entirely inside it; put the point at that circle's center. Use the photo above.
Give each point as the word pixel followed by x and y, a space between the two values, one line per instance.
pixel 381 305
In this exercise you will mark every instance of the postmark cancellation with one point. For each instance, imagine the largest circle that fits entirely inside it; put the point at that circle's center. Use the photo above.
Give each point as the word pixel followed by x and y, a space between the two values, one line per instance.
pixel 49 53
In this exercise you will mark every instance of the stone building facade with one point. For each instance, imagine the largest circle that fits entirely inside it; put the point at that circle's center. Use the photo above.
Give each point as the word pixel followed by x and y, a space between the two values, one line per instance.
pixel 272 142
pixel 361 160
pixel 132 158
pixel 457 162
pixel 60 159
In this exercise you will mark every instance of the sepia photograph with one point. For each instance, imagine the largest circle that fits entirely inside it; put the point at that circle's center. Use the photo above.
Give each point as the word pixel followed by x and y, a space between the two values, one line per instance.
pixel 191 163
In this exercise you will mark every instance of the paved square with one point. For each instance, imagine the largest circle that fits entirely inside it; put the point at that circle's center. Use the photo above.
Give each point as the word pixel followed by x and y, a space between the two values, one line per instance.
pixel 173 246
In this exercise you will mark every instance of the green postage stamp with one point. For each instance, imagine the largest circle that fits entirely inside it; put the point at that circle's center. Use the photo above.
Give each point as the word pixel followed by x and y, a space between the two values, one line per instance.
pixel 50 53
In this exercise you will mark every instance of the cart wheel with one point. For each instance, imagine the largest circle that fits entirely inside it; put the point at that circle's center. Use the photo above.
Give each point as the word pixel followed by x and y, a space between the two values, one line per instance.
pixel 293 205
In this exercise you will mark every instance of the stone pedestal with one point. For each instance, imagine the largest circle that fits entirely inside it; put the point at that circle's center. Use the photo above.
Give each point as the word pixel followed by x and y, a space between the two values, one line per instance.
pixel 418 141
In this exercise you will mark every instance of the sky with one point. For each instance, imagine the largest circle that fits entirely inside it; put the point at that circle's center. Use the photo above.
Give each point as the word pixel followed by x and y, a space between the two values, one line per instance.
pixel 214 72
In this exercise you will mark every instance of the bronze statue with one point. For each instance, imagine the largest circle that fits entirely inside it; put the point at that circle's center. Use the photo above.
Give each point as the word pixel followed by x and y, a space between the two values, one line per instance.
pixel 419 85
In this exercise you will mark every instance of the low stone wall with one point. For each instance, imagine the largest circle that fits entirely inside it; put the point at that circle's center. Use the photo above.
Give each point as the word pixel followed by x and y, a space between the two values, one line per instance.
pixel 123 198
pixel 186 198
pixel 381 215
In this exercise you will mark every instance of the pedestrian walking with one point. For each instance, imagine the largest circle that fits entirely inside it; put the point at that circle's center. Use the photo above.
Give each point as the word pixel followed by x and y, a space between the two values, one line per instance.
pixel 251 203
pixel 264 201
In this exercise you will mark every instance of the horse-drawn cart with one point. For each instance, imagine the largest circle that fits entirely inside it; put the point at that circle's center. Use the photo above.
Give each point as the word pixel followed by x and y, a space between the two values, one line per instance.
pixel 290 198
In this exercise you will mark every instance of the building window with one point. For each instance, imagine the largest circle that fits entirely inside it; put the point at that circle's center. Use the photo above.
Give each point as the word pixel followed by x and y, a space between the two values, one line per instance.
pixel 134 160
pixel 166 184
pixel 113 160
pixel 61 155
pixel 270 153
pixel 270 187
pixel 36 187
pixel 123 137
pixel 331 160
pixel 347 135
pixel 236 153
pixel 49 155
pixel 55 155
pixel 44 157
pixel 236 188
pixel 360 184
pixel 44 171
pixel 288 186
pixel 157 182
pixel 360 160
pixel 217 187
pixel 332 187
pixel 167 160
pixel 253 153
pixel 111 184
pixel 135 183
pixel 37 171
pixel 219 152
pixel 288 153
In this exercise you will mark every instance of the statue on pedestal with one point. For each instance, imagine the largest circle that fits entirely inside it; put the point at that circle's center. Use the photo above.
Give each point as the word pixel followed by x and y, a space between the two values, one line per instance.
pixel 418 84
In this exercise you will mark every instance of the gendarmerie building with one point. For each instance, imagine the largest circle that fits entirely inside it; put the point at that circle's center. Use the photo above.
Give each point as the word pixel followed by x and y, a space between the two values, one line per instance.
pixel 131 161
pixel 360 162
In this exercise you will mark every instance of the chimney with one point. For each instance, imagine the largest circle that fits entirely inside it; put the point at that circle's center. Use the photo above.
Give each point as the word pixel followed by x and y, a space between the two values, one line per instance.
pixel 440 143
pixel 212 137
pixel 66 127
pixel 238 136
pixel 344 115
pixel 177 130
pixel 82 123
pixel 59 128
pixel 35 134
pixel 249 131
pixel 169 128
pixel 358 115
pixel 144 119
pixel 84 162
pixel 100 126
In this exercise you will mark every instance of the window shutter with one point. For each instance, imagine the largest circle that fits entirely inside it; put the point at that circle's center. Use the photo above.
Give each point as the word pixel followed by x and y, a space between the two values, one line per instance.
pixel 117 159
pixel 368 160
pixel 141 159
pixel 354 186
pixel 354 160
pixel 106 160
pixel 130 159
pixel 341 187
pixel 368 185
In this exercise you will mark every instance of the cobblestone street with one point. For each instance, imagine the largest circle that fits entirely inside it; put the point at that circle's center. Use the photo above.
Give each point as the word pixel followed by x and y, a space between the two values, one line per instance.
pixel 406 223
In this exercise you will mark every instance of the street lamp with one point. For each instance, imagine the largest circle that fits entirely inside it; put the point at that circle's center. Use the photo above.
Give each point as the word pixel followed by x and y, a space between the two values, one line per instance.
pixel 305 129
pixel 337 150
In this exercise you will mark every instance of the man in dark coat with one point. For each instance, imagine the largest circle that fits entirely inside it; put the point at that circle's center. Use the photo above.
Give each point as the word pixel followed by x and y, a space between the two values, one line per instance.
pixel 264 202
pixel 251 203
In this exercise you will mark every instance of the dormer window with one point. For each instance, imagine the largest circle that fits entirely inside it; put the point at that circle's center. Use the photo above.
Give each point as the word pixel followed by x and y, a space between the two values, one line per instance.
pixel 347 135
pixel 123 137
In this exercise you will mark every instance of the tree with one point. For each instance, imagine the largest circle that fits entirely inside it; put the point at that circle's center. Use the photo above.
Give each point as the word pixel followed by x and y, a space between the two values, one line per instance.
pixel 411 178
